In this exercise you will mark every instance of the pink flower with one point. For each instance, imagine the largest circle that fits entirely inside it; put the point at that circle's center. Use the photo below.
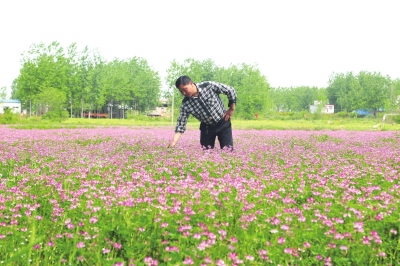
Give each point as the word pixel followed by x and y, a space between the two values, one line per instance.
pixel 80 245
pixel 262 252
pixel 163 225
pixel 332 245
pixel 172 249
pixel 306 245
pixel 381 254
pixel 232 256
pixel 359 226
pixel 220 263
pixel 117 245
pixel 188 261
pixel 207 260
pixel 328 261
pixel 379 217
pixel 365 240
pixel 285 227
pixel 150 262
pixel 281 240
pixel 196 236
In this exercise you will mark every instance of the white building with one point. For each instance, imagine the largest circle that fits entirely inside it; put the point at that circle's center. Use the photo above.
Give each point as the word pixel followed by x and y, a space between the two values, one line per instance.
pixel 14 105
pixel 326 109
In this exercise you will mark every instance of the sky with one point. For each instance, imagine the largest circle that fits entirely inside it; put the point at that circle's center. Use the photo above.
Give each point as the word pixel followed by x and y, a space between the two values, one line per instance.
pixel 292 42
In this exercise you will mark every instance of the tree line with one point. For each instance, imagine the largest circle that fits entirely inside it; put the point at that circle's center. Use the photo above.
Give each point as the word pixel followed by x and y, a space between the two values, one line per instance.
pixel 53 79
pixel 68 82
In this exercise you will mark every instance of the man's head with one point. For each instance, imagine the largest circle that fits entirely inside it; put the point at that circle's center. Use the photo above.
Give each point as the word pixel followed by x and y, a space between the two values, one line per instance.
pixel 186 86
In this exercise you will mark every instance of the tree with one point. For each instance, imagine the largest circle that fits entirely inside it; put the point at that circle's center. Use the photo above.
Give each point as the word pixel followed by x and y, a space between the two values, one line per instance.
pixel 43 67
pixel 339 91
pixel 252 88
pixel 395 94
pixel 376 90
pixel 52 103
pixel 131 84
pixel 3 92
pixel 369 91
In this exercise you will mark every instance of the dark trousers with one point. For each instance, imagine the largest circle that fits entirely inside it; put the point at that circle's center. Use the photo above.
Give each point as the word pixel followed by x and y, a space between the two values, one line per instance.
pixel 222 130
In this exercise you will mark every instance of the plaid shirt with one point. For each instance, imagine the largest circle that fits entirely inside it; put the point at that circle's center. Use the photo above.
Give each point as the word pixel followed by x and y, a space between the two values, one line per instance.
pixel 208 106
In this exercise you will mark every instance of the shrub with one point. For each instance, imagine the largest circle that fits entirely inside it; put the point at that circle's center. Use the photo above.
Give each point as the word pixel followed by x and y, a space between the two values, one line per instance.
pixel 56 115
pixel 342 114
pixel 396 119
pixel 8 117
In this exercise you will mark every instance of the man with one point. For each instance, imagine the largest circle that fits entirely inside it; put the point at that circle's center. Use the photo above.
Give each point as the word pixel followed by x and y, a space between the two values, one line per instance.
pixel 203 102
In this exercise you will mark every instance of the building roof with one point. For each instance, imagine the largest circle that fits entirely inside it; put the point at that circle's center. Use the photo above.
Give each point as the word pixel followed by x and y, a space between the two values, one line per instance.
pixel 9 101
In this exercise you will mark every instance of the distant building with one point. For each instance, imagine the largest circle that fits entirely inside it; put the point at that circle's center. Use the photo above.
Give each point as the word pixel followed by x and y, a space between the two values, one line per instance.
pixel 160 110
pixel 327 109
pixel 14 105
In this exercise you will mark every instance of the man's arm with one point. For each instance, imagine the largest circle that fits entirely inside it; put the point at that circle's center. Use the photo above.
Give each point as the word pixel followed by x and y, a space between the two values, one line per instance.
pixel 180 127
pixel 177 136
pixel 227 90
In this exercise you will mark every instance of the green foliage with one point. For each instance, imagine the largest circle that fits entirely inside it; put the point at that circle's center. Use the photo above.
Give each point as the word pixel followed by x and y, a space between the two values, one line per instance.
pixel 56 115
pixel 342 114
pixel 396 119
pixel 131 83
pixel 296 99
pixel 8 117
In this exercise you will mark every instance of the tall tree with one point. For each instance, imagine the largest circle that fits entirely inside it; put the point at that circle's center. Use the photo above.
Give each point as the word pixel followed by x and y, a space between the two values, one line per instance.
pixel 43 67
pixel 376 89
pixel 252 88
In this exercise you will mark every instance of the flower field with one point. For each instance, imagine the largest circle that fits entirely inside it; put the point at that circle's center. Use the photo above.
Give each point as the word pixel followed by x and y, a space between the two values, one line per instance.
pixel 119 196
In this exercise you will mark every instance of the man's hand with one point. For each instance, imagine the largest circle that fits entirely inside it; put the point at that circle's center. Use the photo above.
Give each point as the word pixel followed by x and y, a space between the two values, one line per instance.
pixel 177 136
pixel 228 114
pixel 172 144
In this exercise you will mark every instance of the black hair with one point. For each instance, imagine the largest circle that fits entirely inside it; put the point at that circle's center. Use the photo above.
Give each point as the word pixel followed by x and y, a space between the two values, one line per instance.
pixel 182 80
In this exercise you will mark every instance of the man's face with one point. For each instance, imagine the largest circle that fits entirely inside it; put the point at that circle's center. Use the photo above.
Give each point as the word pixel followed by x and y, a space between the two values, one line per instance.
pixel 188 90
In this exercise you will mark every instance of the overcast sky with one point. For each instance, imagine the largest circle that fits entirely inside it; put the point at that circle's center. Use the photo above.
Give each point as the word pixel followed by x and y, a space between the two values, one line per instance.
pixel 293 42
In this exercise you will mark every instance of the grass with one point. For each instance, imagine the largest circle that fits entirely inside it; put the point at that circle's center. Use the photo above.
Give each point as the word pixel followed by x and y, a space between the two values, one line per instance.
pixel 359 124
